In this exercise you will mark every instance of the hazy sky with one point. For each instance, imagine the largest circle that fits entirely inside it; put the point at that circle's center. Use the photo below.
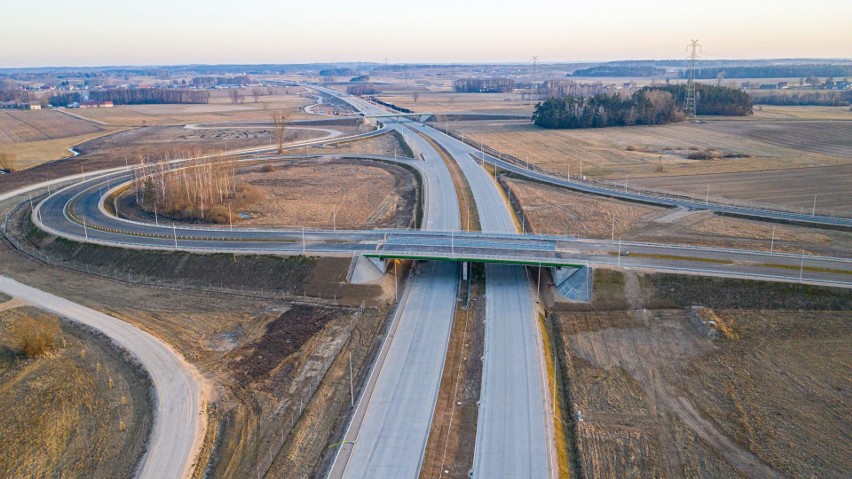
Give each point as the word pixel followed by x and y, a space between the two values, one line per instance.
pixel 101 32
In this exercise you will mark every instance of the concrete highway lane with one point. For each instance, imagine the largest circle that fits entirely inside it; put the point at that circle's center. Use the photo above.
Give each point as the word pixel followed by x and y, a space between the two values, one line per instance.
pixel 511 440
pixel 392 438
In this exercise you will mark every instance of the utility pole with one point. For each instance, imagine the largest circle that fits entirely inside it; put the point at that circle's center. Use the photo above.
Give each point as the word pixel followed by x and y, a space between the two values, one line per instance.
pixel 772 243
pixel 351 385
pixel 619 252
pixel 534 83
pixel 689 105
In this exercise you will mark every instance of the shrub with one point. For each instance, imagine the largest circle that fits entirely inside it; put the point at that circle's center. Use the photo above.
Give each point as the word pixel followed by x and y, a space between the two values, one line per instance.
pixel 268 168
pixel 36 337
pixel 219 214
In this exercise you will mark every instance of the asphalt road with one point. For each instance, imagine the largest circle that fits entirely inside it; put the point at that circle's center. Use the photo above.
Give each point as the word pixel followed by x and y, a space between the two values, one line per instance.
pixel 178 387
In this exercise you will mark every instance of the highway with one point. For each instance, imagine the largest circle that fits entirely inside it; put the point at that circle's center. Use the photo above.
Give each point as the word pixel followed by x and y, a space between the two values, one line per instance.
pixel 179 389
pixel 390 428
pixel 512 433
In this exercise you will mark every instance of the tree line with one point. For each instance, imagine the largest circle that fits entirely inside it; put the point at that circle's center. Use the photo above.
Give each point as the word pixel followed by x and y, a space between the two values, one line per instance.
pixel 619 71
pixel 140 96
pixel 648 106
pixel 362 89
pixel 483 85
pixel 149 96
pixel 816 98
pixel 773 71
pixel 212 81
pixel 712 99
pixel 645 107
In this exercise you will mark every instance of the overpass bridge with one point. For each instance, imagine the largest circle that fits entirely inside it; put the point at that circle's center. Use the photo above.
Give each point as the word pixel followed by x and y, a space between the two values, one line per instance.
pixel 419 117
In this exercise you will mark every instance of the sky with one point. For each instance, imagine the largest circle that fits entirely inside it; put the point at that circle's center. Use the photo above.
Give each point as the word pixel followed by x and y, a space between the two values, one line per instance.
pixel 160 32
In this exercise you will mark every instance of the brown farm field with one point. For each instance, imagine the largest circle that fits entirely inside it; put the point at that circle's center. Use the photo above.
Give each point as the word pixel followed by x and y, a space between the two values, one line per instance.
pixel 643 151
pixel 553 210
pixel 84 407
pixel 18 126
pixel 219 109
pixel 781 164
pixel 658 397
pixel 824 190
pixel 442 102
pixel 30 138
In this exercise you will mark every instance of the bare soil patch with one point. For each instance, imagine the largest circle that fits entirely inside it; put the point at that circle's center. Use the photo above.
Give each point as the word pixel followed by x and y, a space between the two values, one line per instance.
pixel 85 407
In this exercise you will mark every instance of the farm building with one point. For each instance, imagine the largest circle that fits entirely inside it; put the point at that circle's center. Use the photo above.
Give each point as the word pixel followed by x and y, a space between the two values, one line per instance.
pixel 96 104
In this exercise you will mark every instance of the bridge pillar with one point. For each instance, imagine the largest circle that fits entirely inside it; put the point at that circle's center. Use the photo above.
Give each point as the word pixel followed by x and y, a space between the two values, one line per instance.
pixel 465 267
pixel 574 284
pixel 365 269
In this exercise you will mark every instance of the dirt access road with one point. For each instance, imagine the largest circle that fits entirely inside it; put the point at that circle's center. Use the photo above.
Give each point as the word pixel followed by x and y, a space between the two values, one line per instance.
pixel 179 389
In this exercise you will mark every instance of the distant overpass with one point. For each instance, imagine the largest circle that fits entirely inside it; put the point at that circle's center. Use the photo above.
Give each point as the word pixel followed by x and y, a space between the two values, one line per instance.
pixel 420 117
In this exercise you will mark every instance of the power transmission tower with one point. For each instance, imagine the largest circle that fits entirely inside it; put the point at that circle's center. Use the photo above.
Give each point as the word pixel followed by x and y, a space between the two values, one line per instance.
pixel 689 107
pixel 534 85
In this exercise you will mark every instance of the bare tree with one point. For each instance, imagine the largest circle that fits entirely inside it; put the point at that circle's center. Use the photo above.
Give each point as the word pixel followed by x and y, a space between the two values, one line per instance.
pixel 415 96
pixel 236 96
pixel 279 125
pixel 256 92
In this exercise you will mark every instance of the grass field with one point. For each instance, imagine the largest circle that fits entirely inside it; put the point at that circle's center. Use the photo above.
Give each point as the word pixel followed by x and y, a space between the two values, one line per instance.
pixel 348 193
pixel 83 408
pixel 659 398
